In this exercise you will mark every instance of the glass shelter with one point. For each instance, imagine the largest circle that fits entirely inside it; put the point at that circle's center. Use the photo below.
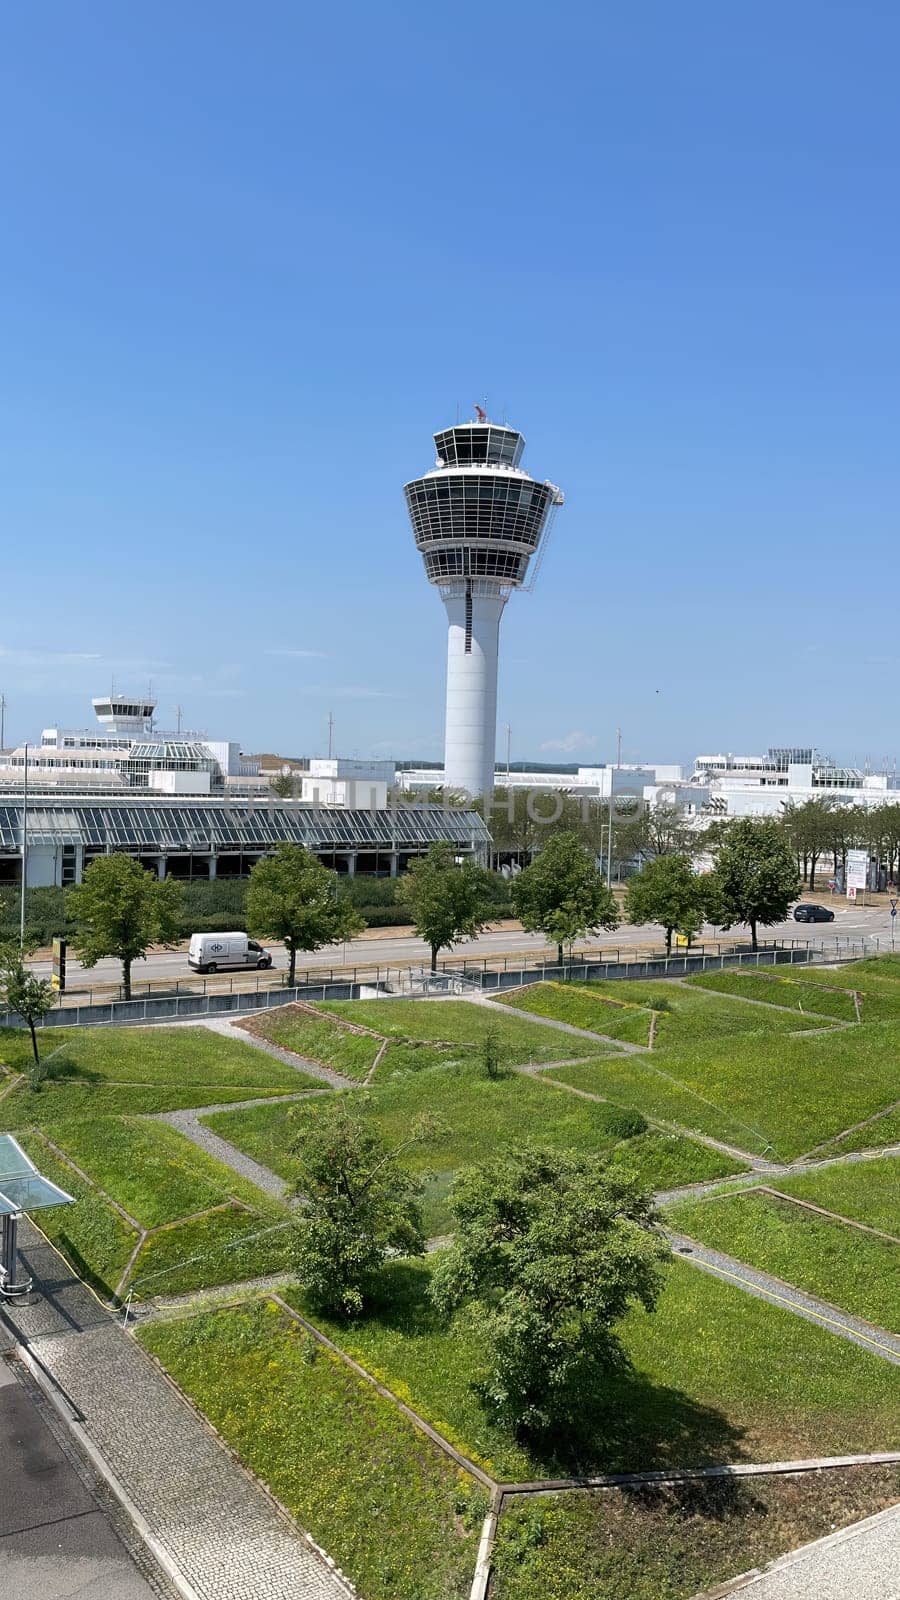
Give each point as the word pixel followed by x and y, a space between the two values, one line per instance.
pixel 22 1188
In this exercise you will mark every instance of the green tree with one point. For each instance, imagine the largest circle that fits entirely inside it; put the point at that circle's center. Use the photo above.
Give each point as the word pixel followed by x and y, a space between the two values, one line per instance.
pixel 360 1203
pixel 562 895
pixel 551 1249
pixel 809 828
pixel 293 898
pixel 756 873
pixel 282 785
pixel 655 831
pixel 31 997
pixel 447 901
pixel 668 891
pixel 121 910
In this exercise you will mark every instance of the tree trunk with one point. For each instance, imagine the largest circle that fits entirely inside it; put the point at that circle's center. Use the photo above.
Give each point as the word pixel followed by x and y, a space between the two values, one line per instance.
pixel 34 1043
pixel 812 870
pixel 126 978
pixel 292 965
pixel 753 943
pixel 559 955
pixel 668 941
pixel 434 955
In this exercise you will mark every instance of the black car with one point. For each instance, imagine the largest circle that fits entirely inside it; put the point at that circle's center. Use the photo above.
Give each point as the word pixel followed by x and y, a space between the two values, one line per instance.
pixel 810 913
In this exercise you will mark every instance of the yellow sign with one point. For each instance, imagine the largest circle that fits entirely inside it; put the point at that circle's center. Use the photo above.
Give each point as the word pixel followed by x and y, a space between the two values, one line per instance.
pixel 682 941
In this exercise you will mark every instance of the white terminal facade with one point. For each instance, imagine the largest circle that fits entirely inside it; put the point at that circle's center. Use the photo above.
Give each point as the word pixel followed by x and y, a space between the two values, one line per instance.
pixel 478 519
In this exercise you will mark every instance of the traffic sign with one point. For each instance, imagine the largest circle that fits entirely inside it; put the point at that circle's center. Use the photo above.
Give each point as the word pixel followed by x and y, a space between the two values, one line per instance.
pixel 893 911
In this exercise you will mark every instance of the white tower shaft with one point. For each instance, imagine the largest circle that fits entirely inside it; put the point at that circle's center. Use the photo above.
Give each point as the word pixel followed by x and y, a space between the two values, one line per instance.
pixel 470 735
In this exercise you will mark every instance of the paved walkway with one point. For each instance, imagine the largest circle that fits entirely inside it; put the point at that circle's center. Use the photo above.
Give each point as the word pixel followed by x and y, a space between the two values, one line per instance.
pixel 220 1530
pixel 60 1535
pixel 877 1341
pixel 858 1563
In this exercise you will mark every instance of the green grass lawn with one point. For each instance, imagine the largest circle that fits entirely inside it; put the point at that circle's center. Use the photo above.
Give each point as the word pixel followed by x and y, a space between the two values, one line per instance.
pixel 101 1071
pixel 716 1375
pixel 318 1038
pixel 668 1542
pixel 882 1130
pixel 813 989
pixel 462 1022
pixel 153 1171
pixel 622 1010
pixel 228 1246
pixel 785 1091
pixel 624 1017
pixel 867 1191
pixel 851 1269
pixel 94 1239
pixel 478 1117
pixel 398 1517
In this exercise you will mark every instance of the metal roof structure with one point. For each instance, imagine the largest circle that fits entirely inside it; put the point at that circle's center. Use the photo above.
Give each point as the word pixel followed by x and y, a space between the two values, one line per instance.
pixel 156 825
pixel 22 1186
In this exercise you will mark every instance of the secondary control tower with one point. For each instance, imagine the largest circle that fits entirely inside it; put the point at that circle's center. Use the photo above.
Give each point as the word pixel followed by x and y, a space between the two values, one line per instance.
pixel 478 519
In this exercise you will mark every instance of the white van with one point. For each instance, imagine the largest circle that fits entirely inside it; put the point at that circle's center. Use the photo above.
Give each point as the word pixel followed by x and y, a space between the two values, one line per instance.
pixel 220 952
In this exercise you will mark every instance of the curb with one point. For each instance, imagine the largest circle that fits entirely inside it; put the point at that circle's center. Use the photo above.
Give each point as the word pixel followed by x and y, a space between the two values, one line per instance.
pixel 157 1550
pixel 746 1580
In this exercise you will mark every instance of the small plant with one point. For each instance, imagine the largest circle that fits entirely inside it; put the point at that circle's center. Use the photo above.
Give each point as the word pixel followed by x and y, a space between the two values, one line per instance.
pixel 491 1051
pixel 623 1123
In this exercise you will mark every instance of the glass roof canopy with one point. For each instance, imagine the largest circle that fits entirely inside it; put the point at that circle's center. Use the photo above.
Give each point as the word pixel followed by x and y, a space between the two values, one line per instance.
pixel 153 826
pixel 22 1187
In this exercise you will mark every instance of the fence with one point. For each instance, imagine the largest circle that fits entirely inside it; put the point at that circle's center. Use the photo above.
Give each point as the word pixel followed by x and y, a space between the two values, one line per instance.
pixel 679 966
pixel 451 978
pixel 175 1007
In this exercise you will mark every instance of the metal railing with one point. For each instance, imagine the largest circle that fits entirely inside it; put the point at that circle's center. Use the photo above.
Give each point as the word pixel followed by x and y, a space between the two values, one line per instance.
pixel 259 991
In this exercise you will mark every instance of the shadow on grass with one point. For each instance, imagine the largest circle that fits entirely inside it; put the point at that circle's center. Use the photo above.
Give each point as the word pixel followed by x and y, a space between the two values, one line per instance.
pixel 622 1421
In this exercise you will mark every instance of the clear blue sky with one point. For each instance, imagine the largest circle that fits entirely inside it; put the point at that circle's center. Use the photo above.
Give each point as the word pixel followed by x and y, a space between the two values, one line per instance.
pixel 253 256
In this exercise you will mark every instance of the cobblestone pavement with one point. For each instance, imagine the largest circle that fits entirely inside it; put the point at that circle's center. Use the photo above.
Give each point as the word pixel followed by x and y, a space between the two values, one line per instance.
pixel 878 1341
pixel 221 1531
pixel 858 1563
pixel 315 1069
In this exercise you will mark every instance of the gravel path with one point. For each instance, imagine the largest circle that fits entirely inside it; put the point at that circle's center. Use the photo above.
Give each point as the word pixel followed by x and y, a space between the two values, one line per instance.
pixel 188 1123
pixel 290 1058
pixel 217 1526
pixel 877 1341
pixel 861 1562
pixel 554 1022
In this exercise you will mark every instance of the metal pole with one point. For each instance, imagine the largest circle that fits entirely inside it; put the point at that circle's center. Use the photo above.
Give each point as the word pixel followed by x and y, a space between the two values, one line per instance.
pixel 2 721
pixel 508 741
pixel 24 854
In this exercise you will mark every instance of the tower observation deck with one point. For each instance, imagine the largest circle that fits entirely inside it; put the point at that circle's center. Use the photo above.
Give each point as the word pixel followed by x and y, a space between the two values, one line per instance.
pixel 478 520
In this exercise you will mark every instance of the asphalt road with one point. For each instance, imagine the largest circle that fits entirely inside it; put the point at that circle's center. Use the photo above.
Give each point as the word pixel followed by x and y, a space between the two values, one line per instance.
pixel 389 948
pixel 55 1541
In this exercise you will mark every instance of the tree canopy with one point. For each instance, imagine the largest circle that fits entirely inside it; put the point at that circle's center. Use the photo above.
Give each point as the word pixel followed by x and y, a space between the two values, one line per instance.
pixel 667 890
pixel 31 997
pixel 447 900
pixel 360 1202
pixel 550 1249
pixel 756 873
pixel 121 910
pixel 293 898
pixel 562 894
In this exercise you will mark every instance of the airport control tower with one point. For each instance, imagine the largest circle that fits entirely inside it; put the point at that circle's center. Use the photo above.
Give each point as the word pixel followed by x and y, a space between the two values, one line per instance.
pixel 478 519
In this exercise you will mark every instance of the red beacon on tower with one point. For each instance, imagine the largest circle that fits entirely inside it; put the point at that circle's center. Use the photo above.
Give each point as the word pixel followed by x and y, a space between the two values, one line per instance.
pixel 481 413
